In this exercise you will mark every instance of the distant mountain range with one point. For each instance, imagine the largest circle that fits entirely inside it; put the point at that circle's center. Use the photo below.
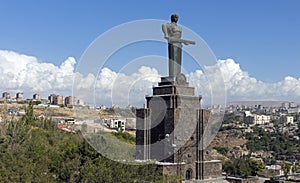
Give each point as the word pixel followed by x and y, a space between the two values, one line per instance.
pixel 263 103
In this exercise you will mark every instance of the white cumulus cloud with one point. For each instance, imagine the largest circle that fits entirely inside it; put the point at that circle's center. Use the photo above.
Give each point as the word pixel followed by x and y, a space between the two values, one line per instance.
pixel 240 86
pixel 124 89
pixel 19 72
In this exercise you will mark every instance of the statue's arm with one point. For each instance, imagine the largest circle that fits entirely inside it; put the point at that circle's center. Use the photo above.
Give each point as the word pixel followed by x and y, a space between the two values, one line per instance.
pixel 178 40
pixel 165 30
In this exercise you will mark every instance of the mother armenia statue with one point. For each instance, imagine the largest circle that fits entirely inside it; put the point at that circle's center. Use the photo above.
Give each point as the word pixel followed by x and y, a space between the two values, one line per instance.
pixel 172 32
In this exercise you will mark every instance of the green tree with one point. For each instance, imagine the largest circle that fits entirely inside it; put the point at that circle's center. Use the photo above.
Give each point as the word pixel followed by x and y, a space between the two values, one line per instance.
pixel 286 170
pixel 48 154
pixel 255 166
pixel 29 117
pixel 242 167
pixel 221 150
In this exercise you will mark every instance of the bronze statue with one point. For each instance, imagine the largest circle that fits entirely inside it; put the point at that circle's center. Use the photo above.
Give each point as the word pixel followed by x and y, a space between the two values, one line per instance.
pixel 172 33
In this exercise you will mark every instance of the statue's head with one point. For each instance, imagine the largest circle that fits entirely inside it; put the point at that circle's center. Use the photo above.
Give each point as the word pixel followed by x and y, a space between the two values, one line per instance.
pixel 174 18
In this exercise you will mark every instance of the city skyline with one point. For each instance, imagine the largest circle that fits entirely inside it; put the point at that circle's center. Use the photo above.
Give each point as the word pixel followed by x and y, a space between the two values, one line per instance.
pixel 256 44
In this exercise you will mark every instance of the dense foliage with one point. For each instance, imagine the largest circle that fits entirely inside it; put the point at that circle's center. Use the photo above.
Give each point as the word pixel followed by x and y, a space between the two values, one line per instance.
pixel 242 167
pixel 222 150
pixel 34 150
pixel 125 137
pixel 283 146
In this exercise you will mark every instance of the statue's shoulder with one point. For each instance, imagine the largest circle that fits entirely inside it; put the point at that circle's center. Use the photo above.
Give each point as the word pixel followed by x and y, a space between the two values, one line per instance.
pixel 180 27
pixel 167 25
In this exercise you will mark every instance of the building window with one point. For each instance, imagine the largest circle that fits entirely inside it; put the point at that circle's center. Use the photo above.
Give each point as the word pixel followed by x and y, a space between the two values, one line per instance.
pixel 188 174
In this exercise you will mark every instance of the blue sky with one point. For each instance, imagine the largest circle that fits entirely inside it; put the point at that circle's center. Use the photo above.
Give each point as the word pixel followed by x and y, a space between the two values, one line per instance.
pixel 258 42
pixel 262 36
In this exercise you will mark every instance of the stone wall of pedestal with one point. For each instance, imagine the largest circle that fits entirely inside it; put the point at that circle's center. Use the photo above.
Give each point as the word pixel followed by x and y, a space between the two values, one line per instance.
pixel 142 134
pixel 173 89
pixel 174 121
pixel 211 169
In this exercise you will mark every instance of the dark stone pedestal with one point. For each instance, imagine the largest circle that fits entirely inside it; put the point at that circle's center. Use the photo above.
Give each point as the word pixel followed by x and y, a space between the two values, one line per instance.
pixel 170 128
pixel 179 80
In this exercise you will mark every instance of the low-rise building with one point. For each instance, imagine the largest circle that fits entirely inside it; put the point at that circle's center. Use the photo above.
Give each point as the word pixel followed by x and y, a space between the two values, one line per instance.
pixel 256 118
pixel 20 96
pixel 293 110
pixel 118 124
pixel 6 96
pixel 56 99
pixel 261 119
pixel 59 100
pixel 51 98
pixel 69 101
pixel 293 104
pixel 80 102
pixel 286 119
pixel 275 169
pixel 36 96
